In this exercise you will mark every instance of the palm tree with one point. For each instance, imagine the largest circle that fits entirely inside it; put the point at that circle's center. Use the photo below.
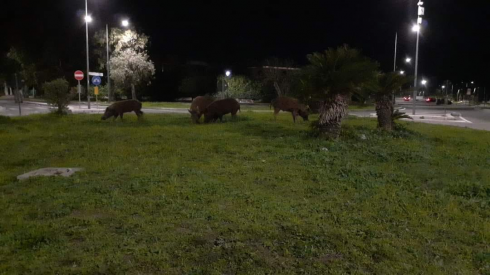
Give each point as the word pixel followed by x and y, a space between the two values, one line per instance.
pixel 332 77
pixel 383 92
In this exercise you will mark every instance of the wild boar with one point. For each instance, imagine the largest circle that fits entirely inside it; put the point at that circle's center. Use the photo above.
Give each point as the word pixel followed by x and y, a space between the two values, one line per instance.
pixel 198 105
pixel 121 107
pixel 292 105
pixel 219 108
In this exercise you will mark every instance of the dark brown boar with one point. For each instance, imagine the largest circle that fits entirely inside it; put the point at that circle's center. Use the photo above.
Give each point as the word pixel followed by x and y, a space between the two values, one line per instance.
pixel 121 107
pixel 292 105
pixel 219 108
pixel 198 105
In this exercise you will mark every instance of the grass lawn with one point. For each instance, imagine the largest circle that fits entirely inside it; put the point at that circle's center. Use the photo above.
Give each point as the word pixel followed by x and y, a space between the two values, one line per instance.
pixel 252 196
pixel 361 107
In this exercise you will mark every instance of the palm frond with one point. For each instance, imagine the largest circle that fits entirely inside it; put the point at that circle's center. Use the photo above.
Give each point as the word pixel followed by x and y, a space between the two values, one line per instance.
pixel 397 115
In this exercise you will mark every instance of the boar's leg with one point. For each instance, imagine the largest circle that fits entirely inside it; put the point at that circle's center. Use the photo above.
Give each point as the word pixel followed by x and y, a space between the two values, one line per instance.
pixel 121 115
pixel 295 113
pixel 276 111
pixel 115 117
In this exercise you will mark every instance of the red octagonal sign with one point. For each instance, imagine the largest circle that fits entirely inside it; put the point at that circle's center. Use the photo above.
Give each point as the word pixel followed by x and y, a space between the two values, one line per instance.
pixel 79 75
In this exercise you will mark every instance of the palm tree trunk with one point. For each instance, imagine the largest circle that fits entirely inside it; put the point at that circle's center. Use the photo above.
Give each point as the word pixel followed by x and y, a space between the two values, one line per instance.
pixel 332 112
pixel 384 110
pixel 133 91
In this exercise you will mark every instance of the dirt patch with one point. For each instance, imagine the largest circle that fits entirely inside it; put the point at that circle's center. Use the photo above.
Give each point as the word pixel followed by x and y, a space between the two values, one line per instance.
pixel 89 215
pixel 329 258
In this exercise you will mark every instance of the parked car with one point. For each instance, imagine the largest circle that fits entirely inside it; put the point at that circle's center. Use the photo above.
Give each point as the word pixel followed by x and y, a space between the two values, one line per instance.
pixel 407 98
pixel 431 99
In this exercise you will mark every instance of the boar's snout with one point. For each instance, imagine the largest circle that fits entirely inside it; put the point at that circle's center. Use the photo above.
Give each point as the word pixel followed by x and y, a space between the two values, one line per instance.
pixel 107 114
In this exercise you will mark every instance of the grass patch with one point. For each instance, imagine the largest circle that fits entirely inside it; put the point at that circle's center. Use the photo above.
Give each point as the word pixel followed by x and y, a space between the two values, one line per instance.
pixel 251 196
pixel 354 107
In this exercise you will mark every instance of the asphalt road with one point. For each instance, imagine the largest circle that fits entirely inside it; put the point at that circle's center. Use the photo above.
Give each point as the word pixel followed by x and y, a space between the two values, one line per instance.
pixel 470 117
pixel 9 108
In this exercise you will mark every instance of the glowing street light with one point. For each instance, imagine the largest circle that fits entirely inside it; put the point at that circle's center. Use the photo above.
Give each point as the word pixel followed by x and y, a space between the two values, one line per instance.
pixel 444 87
pixel 424 82
pixel 228 73
pixel 125 23
pixel 88 18
pixel 402 72
pixel 416 28
pixel 408 60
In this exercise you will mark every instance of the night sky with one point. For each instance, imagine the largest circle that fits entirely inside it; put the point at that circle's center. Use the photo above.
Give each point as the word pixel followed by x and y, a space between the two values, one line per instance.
pixel 455 42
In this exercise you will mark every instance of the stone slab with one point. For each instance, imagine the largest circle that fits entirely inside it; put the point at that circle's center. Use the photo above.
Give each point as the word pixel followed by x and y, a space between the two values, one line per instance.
pixel 50 172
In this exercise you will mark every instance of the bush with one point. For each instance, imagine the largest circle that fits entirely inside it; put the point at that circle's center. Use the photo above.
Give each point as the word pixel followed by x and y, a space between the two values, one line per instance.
pixel 57 93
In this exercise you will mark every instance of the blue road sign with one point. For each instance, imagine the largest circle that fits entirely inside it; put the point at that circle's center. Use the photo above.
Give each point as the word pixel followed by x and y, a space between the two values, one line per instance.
pixel 96 80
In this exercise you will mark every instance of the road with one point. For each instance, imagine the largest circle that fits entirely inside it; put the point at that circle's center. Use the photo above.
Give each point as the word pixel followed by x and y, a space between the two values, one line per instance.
pixel 9 108
pixel 469 117
pixel 465 116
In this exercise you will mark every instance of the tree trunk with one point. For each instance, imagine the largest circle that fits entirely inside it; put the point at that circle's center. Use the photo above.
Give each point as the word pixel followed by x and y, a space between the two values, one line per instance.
pixel 384 110
pixel 133 92
pixel 332 112
pixel 278 89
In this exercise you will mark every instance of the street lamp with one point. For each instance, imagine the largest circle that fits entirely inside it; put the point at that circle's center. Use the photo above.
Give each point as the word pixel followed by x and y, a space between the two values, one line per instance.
pixel 402 72
pixel 408 60
pixel 424 82
pixel 124 23
pixel 228 74
pixel 88 19
pixel 444 87
pixel 417 28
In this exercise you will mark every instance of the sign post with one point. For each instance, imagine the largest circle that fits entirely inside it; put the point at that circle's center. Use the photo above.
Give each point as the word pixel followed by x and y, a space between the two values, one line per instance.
pixel 96 80
pixel 79 76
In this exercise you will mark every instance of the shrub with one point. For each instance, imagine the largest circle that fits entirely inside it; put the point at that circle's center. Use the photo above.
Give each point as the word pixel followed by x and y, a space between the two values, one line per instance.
pixel 57 93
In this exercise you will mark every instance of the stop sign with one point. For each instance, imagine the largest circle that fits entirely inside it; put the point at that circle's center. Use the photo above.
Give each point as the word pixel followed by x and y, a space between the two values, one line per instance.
pixel 79 75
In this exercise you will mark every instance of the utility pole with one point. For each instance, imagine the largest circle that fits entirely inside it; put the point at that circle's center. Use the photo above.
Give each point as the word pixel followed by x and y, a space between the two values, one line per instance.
pixel 417 28
pixel 17 94
pixel 394 64
pixel 484 96
pixel 396 47
pixel 108 63
pixel 88 64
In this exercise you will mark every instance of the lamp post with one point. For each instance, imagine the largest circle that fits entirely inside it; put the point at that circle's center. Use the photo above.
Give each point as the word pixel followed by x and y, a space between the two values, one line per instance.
pixel 108 63
pixel 88 19
pixel 396 48
pixel 124 23
pixel 417 28
pixel 227 74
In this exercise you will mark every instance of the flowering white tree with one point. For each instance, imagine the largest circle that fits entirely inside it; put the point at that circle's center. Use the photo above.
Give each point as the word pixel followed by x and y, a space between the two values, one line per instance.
pixel 130 63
